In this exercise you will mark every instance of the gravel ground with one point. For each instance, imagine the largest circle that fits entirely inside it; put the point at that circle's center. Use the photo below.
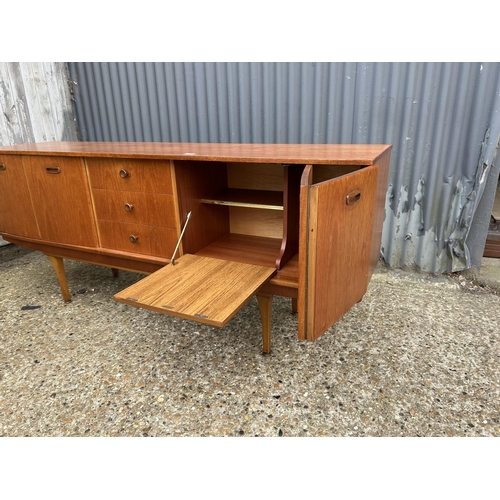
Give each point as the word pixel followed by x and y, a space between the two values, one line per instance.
pixel 419 356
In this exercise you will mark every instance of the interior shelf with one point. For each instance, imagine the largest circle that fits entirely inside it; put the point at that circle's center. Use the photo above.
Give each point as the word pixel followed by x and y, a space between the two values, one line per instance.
pixel 249 198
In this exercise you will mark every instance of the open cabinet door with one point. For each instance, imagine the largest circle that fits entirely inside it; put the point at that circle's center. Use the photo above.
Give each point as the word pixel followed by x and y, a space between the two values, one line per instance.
pixel 336 225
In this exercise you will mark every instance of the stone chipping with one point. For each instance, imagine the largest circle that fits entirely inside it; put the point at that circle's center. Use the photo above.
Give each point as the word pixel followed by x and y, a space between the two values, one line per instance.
pixel 418 356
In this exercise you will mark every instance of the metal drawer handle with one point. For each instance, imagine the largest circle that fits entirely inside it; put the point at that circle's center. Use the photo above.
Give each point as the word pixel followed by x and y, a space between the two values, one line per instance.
pixel 2 166
pixel 53 170
pixel 124 174
pixel 133 239
pixel 128 207
pixel 353 197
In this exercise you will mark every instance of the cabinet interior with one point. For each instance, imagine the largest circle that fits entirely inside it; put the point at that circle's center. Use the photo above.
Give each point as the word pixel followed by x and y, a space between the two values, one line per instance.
pixel 322 173
pixel 239 211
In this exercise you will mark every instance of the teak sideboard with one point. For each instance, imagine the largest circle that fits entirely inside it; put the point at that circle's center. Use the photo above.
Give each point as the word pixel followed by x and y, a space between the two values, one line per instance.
pixel 300 221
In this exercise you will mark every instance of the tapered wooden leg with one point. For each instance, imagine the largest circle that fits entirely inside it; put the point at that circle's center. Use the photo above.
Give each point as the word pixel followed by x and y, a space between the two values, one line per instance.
pixel 114 271
pixel 265 306
pixel 294 305
pixel 58 265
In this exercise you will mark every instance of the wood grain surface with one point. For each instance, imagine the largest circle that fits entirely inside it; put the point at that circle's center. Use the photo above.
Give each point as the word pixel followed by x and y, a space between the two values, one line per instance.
pixel 260 222
pixel 249 198
pixel 150 240
pixel 337 249
pixel 195 181
pixel 339 154
pixel 100 256
pixel 61 201
pixel 199 288
pixel 291 210
pixel 259 176
pixel 153 209
pixel 16 210
pixel 142 175
pixel 244 248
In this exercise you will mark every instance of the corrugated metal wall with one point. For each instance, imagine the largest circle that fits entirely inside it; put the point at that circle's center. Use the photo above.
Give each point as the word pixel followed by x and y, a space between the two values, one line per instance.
pixel 442 118
pixel 35 104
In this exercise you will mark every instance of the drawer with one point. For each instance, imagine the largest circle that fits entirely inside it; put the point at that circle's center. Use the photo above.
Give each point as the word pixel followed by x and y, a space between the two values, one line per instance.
pixel 135 207
pixel 136 238
pixel 153 176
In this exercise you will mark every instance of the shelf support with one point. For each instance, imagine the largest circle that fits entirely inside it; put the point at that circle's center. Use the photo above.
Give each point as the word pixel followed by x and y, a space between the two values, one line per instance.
pixel 291 207
pixel 188 216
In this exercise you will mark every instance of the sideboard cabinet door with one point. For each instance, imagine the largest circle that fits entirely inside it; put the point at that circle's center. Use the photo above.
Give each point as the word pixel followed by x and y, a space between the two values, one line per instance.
pixel 334 248
pixel 61 200
pixel 16 211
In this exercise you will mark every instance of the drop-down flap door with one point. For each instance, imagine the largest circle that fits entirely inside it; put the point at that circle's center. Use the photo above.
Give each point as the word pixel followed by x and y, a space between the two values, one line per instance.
pixel 199 288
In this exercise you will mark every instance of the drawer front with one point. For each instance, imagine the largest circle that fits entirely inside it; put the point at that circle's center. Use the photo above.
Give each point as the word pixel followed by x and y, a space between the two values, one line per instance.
pixel 61 199
pixel 135 207
pixel 153 176
pixel 136 238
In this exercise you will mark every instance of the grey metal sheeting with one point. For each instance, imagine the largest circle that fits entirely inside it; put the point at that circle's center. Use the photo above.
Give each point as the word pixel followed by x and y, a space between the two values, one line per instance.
pixel 442 118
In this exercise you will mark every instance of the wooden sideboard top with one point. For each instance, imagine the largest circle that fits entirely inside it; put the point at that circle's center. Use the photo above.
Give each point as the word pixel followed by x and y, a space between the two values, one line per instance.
pixel 335 154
